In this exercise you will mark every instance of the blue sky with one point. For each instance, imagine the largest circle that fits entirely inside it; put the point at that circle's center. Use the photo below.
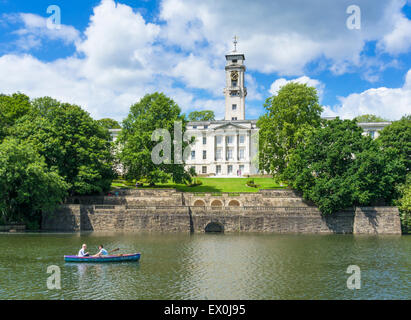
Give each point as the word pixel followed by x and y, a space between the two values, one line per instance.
pixel 108 54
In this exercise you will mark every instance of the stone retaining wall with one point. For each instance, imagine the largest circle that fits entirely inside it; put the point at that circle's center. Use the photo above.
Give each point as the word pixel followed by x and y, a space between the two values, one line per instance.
pixel 278 211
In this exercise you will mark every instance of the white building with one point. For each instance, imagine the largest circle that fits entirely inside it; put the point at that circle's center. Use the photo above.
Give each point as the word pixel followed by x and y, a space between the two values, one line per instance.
pixel 227 147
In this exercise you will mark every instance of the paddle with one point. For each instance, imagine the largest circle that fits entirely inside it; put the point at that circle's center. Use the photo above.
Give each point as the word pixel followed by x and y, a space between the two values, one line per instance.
pixel 114 250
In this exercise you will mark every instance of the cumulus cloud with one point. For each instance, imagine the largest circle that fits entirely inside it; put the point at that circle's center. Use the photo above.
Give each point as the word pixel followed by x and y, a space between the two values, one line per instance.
pixel 389 103
pixel 121 56
pixel 283 36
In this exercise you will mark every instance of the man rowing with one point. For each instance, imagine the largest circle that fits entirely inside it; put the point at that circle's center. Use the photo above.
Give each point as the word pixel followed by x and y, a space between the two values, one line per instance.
pixel 82 252
pixel 102 251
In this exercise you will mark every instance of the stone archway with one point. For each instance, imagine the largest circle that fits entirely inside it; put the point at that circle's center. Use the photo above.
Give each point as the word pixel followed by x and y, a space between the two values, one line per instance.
pixel 214 227
pixel 216 203
pixel 234 203
pixel 199 203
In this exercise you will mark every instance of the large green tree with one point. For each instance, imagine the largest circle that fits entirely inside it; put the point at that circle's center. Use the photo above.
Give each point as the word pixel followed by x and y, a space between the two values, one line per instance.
pixel 397 138
pixel 12 107
pixel 71 142
pixel 337 167
pixel 292 111
pixel 152 112
pixel 205 115
pixel 27 185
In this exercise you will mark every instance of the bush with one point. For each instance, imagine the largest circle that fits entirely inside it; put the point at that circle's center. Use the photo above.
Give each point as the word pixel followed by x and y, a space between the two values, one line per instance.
pixel 251 183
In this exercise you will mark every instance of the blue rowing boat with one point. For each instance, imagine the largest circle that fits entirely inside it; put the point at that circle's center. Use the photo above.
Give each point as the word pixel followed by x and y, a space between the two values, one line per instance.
pixel 112 258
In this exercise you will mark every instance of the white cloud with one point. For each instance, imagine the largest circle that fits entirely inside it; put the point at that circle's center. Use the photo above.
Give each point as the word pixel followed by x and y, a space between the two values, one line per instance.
pixel 277 84
pixel 35 31
pixel 282 36
pixel 389 103
pixel 120 56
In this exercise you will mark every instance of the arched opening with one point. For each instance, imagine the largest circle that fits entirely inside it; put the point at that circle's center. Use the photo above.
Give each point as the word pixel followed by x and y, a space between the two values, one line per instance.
pixel 234 203
pixel 216 203
pixel 199 203
pixel 214 227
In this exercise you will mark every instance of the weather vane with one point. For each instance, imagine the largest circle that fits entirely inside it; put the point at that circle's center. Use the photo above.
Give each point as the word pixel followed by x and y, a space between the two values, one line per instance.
pixel 235 43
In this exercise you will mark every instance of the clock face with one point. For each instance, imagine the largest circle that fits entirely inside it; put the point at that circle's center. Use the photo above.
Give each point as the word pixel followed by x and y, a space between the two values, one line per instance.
pixel 234 75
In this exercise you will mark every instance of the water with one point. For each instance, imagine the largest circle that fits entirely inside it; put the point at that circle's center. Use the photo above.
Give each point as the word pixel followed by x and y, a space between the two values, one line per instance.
pixel 208 266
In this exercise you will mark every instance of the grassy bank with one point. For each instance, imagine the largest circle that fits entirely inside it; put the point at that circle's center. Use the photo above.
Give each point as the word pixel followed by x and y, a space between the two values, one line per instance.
pixel 210 185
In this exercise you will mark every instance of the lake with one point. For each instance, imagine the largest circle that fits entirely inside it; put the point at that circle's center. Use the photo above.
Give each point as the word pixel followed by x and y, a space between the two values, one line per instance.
pixel 208 266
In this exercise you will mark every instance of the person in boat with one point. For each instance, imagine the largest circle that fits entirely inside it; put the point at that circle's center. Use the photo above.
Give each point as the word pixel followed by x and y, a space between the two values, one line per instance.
pixel 101 252
pixel 82 252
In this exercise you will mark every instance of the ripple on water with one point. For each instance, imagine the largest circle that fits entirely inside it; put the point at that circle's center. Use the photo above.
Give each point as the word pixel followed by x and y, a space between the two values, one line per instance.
pixel 182 266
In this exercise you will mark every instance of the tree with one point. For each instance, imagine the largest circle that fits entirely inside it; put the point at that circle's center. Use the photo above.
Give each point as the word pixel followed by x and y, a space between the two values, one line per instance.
pixel 206 115
pixel 404 204
pixel 294 110
pixel 397 137
pixel 336 167
pixel 71 142
pixel 27 185
pixel 368 118
pixel 12 107
pixel 153 111
pixel 109 123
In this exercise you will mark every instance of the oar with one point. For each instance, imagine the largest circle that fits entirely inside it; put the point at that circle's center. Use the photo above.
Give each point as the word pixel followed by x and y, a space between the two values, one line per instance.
pixel 114 250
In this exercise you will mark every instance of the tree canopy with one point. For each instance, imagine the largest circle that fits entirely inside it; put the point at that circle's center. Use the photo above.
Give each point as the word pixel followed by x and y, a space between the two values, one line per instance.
pixel 152 112
pixel 397 138
pixel 337 167
pixel 292 111
pixel 109 123
pixel 369 118
pixel 71 142
pixel 206 115
pixel 27 185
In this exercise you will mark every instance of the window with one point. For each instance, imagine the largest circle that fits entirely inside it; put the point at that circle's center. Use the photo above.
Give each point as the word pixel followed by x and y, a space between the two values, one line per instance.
pixel 234 118
pixel 204 140
pixel 230 139
pixel 234 61
pixel 234 107
pixel 194 127
pixel 230 169
pixel 234 93
pixel 242 139
pixel 241 169
pixel 206 127
pixel 234 83
pixel 193 168
pixel 218 169
pixel 193 155
pixel 218 154
pixel 204 170
pixel 241 155
pixel 204 154
pixel 372 134
pixel 229 153
pixel 219 139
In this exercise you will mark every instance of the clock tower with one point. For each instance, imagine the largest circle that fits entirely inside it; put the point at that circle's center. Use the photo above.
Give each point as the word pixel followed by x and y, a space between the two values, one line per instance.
pixel 235 90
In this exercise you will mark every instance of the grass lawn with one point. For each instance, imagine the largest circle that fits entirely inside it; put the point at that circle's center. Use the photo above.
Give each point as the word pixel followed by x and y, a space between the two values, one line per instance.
pixel 210 185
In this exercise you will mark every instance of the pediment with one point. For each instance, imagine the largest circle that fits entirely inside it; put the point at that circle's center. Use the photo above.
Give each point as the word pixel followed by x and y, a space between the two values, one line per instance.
pixel 230 125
